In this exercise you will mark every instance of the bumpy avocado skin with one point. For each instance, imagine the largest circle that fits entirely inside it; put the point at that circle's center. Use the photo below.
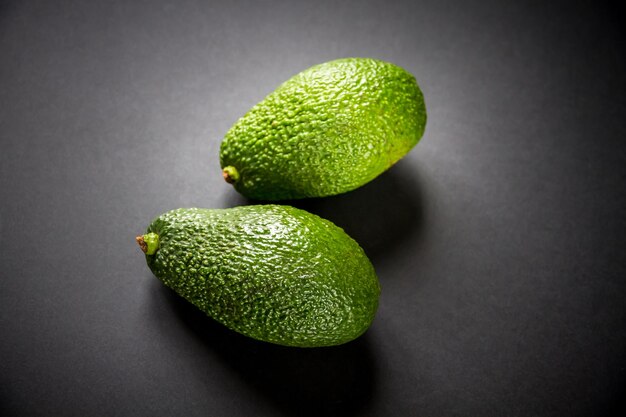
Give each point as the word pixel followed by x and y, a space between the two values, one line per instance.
pixel 328 130
pixel 273 273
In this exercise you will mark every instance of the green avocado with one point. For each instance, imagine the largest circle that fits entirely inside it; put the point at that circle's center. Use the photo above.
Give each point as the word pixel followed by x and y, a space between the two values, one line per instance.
pixel 273 273
pixel 328 130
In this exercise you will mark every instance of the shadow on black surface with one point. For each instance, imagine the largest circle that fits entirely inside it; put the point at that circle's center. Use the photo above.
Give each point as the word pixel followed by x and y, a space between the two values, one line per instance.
pixel 327 381
pixel 379 216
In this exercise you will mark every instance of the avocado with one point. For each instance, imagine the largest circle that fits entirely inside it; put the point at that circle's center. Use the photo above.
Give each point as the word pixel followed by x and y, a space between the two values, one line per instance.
pixel 273 273
pixel 327 130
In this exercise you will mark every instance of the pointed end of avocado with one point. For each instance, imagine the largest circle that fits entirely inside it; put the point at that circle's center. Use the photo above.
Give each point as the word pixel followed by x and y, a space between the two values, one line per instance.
pixel 149 243
pixel 230 174
pixel 142 243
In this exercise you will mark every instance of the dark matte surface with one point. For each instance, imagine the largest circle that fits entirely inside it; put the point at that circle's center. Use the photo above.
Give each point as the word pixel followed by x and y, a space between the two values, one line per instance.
pixel 499 241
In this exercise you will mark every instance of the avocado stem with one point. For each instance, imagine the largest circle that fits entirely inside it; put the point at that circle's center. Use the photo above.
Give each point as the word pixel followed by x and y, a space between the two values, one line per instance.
pixel 148 243
pixel 230 174
pixel 142 244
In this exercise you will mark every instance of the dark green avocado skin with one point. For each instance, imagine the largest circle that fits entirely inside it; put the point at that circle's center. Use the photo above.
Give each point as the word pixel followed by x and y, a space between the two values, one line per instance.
pixel 273 273
pixel 325 131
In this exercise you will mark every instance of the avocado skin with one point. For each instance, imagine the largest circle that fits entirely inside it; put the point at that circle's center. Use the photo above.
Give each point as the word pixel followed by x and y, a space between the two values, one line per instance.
pixel 328 130
pixel 273 273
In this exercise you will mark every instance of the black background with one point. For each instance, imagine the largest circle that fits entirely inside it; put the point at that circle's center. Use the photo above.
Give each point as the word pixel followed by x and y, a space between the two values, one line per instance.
pixel 499 240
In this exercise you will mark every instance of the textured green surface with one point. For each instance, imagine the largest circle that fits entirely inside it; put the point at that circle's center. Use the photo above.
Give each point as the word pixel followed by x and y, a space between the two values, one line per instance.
pixel 274 273
pixel 325 131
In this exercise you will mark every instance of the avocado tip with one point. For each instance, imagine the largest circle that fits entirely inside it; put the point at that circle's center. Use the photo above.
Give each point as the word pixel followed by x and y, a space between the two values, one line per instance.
pixel 149 243
pixel 230 174
pixel 142 243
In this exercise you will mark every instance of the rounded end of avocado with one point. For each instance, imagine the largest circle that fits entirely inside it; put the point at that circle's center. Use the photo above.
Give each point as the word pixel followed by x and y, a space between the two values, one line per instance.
pixel 149 243
pixel 230 174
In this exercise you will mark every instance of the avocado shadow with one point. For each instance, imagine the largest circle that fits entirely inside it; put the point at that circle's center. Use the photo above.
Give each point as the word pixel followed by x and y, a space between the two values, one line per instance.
pixel 328 381
pixel 380 215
